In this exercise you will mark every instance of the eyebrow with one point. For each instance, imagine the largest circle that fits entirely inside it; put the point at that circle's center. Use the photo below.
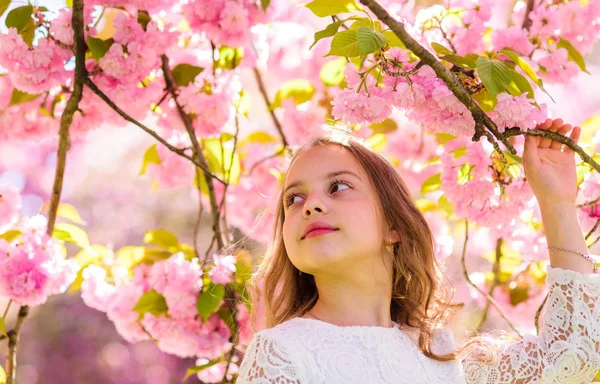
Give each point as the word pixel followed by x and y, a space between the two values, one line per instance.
pixel 329 176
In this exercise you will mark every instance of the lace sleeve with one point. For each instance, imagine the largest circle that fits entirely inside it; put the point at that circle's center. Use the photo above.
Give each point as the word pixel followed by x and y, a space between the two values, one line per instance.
pixel 566 350
pixel 267 361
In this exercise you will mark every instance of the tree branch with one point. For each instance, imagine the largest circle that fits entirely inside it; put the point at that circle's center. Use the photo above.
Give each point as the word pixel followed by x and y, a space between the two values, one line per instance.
pixel 488 297
pixel 482 120
pixel 526 20
pixel 263 92
pixel 495 283
pixel 63 147
pixel 180 151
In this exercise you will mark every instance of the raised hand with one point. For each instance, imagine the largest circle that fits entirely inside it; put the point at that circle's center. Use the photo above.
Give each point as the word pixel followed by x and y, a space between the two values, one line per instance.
pixel 550 165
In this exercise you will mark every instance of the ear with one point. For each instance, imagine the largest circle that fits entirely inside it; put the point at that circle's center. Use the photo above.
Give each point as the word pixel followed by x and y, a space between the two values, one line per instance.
pixel 393 235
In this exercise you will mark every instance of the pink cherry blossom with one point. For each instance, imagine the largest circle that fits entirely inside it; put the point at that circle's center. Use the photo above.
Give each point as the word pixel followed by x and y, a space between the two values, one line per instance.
pixel 223 270
pixel 180 282
pixel 360 108
pixel 33 267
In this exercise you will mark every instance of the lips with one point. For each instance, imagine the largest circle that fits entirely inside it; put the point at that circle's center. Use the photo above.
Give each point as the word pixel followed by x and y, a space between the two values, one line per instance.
pixel 318 225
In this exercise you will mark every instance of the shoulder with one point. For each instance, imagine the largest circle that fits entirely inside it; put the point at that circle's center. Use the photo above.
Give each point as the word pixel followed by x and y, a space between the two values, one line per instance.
pixel 284 334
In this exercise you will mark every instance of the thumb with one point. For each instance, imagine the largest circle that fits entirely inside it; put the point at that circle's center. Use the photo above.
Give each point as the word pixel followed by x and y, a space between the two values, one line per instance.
pixel 530 151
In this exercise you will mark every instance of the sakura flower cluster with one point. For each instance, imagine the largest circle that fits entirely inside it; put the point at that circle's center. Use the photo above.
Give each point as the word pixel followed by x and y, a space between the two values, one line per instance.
pixel 36 69
pixel 33 266
pixel 178 330
pixel 135 52
pixel 225 22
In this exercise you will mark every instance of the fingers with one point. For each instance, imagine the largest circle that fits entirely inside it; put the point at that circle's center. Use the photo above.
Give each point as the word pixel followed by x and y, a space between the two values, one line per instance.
pixel 559 127
pixel 561 131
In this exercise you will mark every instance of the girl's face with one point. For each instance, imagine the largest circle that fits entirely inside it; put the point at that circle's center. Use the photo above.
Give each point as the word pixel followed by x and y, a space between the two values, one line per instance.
pixel 327 184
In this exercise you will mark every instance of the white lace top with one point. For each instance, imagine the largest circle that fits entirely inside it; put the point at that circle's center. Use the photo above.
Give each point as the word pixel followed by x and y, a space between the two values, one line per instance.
pixel 310 351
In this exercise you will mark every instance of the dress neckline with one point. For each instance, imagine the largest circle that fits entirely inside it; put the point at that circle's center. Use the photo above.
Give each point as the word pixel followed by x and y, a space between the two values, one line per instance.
pixel 361 327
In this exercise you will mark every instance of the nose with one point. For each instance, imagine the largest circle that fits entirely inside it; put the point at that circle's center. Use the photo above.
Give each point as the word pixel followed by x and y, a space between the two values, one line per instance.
pixel 314 204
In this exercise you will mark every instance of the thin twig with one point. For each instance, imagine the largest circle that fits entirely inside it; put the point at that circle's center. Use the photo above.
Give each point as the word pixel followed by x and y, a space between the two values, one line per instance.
pixel 495 283
pixel 589 203
pixel 488 297
pixel 593 229
pixel 263 92
pixel 180 151
pixel 197 153
pixel 526 20
pixel 538 313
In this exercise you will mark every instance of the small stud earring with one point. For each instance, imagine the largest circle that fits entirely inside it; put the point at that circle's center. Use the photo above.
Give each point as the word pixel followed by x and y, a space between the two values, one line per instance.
pixel 389 247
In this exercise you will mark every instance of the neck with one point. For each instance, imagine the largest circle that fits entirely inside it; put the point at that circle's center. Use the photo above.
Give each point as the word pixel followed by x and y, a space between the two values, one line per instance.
pixel 361 300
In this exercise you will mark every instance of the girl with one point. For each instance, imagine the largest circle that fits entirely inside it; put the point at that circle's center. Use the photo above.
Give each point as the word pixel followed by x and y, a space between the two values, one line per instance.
pixel 353 293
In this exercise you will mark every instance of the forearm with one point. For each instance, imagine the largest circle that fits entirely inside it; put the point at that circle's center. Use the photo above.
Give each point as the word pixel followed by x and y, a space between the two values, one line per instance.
pixel 563 230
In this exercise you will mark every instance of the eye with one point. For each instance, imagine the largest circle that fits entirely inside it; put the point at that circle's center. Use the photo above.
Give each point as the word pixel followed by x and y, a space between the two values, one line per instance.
pixel 289 199
pixel 336 182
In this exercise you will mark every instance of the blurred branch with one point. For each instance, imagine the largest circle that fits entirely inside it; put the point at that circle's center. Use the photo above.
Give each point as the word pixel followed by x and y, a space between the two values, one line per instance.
pixel 488 297
pixel 180 151
pixel 589 203
pixel 495 283
pixel 263 92
pixel 593 229
pixel 526 20
pixel 538 313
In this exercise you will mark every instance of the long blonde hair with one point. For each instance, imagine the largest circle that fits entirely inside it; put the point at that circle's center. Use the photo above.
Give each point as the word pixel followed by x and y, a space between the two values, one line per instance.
pixel 419 297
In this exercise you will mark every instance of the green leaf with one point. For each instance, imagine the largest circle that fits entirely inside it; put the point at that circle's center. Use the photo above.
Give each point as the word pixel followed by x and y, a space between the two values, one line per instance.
pixel 344 44
pixel 443 138
pixel 2 376
pixel 574 54
pixel 433 183
pixel 265 4
pixel 220 160
pixel 324 8
pixel 162 239
pixel 2 331
pixel 440 49
pixel 199 368
pixel 69 3
pixel 514 171
pixel 69 212
pixel 94 254
pixel 4 6
pixel 386 126
pixel 393 40
pixel 10 235
pixel 300 90
pixel 150 157
pixel 519 85
pixel 19 97
pixel 71 233
pixel 261 137
pixel 99 47
pixel 229 58
pixel 494 74
pixel 365 22
pixel 19 17
pixel 130 256
pixel 369 40
pixel 209 300
pixel 329 31
pixel 460 61
pixel 485 100
pixel 524 65
pixel 332 72
pixel 151 302
pixel 184 74
pixel 28 32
